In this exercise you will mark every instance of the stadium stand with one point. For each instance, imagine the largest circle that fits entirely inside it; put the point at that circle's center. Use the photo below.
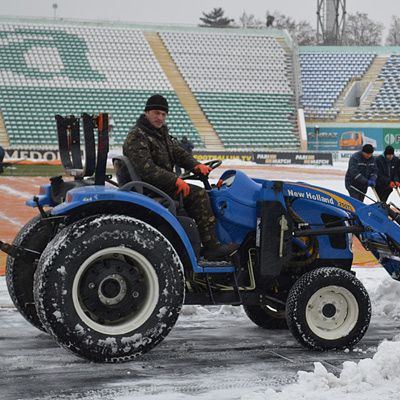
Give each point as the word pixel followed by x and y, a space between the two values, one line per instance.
pixel 385 106
pixel 325 74
pixel 242 84
pixel 48 69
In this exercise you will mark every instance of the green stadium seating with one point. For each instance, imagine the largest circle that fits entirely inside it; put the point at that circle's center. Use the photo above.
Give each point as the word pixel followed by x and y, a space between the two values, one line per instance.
pixel 48 69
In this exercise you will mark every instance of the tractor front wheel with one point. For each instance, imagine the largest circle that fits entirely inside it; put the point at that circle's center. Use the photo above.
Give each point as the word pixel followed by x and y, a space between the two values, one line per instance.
pixel 328 308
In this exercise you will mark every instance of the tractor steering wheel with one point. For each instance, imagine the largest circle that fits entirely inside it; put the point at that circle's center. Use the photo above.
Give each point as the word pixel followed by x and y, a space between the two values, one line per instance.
pixel 200 177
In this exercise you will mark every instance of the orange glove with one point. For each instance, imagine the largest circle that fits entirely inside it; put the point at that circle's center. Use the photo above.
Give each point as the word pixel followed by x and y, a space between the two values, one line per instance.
pixel 202 169
pixel 183 187
pixel 397 183
pixel 392 184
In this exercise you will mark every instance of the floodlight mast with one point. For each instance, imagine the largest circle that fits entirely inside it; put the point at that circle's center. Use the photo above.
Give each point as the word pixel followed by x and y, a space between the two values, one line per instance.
pixel 55 6
pixel 331 22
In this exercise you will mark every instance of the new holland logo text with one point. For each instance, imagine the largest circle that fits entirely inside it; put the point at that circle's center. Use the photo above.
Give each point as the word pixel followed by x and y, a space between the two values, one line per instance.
pixel 311 196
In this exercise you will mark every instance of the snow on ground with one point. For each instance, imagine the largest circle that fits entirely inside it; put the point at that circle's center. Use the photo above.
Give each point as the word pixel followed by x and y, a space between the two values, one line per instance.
pixel 367 379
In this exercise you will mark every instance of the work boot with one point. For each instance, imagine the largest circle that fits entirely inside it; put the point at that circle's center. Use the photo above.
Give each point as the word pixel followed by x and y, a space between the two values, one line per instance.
pixel 219 251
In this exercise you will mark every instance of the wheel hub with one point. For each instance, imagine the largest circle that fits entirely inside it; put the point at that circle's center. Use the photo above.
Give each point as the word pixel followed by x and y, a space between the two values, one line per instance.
pixel 328 310
pixel 112 289
pixel 332 312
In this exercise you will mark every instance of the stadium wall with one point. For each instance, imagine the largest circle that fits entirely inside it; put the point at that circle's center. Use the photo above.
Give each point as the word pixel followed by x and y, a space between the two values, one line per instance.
pixel 50 156
pixel 329 137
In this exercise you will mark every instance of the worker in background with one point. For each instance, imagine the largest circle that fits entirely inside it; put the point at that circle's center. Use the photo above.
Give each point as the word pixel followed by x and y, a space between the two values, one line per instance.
pixel 388 173
pixel 361 172
pixel 2 154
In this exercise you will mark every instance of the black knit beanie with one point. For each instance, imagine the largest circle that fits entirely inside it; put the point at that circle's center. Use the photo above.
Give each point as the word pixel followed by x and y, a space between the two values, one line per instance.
pixel 157 102
pixel 388 150
pixel 368 148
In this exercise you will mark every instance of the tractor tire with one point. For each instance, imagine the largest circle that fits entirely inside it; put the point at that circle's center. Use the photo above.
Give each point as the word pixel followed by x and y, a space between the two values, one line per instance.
pixel 109 288
pixel 266 317
pixel 328 309
pixel 35 235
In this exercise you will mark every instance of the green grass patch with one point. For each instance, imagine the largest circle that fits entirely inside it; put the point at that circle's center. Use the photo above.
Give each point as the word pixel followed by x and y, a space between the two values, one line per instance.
pixel 33 170
pixel 36 170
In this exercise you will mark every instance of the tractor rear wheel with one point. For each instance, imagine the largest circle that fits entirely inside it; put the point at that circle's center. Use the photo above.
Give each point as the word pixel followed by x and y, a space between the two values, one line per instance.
pixel 35 235
pixel 109 288
pixel 266 316
pixel 328 308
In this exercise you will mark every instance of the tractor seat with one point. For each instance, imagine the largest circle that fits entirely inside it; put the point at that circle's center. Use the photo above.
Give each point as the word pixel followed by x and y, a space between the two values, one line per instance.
pixel 125 172
pixel 129 180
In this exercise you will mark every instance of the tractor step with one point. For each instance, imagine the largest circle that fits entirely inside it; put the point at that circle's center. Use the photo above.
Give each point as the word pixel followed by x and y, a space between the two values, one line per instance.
pixel 216 266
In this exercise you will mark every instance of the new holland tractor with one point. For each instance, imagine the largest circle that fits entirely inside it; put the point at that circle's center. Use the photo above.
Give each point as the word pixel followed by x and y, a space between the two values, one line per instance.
pixel 106 266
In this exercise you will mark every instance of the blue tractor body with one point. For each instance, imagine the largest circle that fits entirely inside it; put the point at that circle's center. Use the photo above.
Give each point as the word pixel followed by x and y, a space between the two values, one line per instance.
pixel 120 258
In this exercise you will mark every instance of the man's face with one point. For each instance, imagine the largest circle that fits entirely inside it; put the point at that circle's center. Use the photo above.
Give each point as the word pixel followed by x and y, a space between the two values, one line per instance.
pixel 156 118
pixel 367 156
pixel 389 157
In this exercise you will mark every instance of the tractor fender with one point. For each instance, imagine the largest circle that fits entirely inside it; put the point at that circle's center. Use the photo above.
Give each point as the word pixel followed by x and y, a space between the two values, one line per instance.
pixel 90 195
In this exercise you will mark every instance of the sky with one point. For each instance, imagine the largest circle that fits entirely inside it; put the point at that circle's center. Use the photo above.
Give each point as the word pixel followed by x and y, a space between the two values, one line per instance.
pixel 186 11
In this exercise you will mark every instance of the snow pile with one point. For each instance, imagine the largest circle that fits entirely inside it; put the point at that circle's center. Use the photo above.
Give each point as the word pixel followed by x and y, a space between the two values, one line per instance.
pixel 368 379
pixel 193 310
pixel 385 298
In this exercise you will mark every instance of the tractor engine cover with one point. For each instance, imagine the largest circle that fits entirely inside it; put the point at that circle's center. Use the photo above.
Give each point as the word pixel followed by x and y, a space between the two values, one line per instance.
pixel 273 238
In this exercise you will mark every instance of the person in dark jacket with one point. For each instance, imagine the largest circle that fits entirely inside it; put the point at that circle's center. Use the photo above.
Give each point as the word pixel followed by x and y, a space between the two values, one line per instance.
pixel 154 153
pixel 2 154
pixel 186 144
pixel 362 172
pixel 388 173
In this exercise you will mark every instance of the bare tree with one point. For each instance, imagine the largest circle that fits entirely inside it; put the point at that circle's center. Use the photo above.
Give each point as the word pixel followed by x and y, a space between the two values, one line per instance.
pixel 362 31
pixel 301 31
pixel 304 33
pixel 393 37
pixel 281 21
pixel 216 19
pixel 249 21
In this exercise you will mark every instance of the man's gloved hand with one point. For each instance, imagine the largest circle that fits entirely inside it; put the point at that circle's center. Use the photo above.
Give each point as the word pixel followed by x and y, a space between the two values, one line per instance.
pixel 392 184
pixel 371 182
pixel 183 187
pixel 202 169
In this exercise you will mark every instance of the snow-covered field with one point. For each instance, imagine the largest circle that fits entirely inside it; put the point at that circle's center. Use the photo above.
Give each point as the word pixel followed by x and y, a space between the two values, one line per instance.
pixel 212 352
pixel 216 352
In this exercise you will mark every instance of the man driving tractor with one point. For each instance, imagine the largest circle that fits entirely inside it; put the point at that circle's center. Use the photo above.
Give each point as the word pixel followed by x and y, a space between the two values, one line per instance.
pixel 154 153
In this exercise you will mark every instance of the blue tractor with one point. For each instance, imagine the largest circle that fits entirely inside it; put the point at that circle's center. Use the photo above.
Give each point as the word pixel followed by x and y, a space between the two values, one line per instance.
pixel 106 266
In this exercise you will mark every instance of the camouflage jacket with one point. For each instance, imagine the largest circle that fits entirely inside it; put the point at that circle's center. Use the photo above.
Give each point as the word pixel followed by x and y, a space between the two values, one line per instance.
pixel 154 153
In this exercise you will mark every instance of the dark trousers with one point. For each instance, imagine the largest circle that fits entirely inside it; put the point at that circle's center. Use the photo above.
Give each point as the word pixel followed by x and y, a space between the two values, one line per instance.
pixel 356 195
pixel 384 193
pixel 197 205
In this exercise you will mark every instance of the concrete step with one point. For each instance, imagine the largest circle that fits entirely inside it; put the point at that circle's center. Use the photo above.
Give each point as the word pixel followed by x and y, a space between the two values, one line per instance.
pixel 182 90
pixel 346 113
pixel 4 140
